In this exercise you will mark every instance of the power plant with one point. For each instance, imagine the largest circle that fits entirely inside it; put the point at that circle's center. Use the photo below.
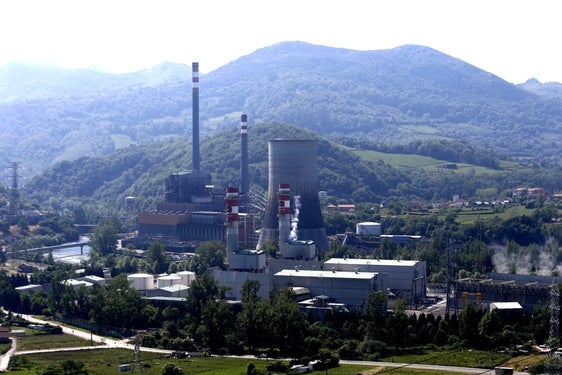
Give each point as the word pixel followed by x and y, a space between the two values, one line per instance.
pixel 195 210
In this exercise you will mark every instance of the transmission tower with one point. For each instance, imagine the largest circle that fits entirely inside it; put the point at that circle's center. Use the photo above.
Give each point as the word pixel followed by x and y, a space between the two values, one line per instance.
pixel 137 363
pixel 451 297
pixel 14 191
pixel 553 360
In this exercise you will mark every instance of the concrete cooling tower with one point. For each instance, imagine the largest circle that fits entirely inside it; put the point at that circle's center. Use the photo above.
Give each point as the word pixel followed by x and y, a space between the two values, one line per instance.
pixel 293 162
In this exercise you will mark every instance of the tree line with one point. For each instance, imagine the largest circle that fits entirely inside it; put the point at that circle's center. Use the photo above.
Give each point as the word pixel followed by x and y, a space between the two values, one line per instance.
pixel 207 321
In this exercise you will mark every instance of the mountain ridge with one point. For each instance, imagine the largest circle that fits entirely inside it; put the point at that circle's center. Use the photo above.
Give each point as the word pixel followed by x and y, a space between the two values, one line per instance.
pixel 384 96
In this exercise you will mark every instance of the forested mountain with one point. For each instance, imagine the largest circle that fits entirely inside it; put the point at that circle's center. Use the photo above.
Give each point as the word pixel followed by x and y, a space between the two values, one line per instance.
pixel 548 89
pixel 387 96
pixel 141 170
pixel 102 183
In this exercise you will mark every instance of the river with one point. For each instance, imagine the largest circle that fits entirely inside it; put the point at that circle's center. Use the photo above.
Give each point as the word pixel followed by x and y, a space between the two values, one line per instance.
pixel 72 254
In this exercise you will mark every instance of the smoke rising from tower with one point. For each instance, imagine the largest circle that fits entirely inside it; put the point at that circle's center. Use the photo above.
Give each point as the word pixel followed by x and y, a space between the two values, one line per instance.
pixel 295 219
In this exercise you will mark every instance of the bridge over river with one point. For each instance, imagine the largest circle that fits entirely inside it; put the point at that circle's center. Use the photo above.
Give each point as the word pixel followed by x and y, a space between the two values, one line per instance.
pixel 24 254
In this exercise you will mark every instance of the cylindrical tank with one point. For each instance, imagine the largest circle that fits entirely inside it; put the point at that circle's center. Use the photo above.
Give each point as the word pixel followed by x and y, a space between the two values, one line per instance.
pixel 368 228
pixel 187 277
pixel 293 162
pixel 141 281
pixel 168 280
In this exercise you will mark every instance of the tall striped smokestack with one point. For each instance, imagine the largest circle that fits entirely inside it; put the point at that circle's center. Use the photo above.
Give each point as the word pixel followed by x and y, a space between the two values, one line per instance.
pixel 284 213
pixel 231 219
pixel 293 162
pixel 244 178
pixel 195 116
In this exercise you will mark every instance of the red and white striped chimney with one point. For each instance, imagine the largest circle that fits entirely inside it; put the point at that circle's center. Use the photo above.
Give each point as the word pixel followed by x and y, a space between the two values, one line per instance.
pixel 284 213
pixel 232 198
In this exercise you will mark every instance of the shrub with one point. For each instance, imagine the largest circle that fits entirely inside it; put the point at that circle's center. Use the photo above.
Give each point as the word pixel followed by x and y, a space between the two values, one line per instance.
pixel 277 366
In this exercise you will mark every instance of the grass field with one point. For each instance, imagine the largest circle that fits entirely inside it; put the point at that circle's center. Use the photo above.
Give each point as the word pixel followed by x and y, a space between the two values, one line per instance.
pixel 36 342
pixel 405 161
pixel 462 358
pixel 106 361
pixel 470 216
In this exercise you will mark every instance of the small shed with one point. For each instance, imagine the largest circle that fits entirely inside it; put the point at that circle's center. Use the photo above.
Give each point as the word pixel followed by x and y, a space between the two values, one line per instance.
pixel 505 306
pixel 4 332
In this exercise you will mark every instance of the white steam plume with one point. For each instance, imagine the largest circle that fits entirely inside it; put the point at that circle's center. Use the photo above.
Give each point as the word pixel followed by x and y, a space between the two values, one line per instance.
pixel 294 235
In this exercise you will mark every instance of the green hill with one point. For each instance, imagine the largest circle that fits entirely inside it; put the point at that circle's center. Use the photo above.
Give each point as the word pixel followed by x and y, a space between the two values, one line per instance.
pixel 347 174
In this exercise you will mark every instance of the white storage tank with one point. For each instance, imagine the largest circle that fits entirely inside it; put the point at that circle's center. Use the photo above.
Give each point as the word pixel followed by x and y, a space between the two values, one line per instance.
pixel 368 228
pixel 141 281
pixel 168 280
pixel 187 277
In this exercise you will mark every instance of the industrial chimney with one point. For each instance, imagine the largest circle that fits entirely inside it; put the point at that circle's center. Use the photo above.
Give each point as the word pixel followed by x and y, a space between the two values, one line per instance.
pixel 293 162
pixel 195 116
pixel 239 259
pixel 284 213
pixel 231 220
pixel 244 178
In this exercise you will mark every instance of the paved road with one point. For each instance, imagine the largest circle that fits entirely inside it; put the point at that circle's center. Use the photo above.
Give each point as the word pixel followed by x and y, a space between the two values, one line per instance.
pixel 86 335
pixel 463 370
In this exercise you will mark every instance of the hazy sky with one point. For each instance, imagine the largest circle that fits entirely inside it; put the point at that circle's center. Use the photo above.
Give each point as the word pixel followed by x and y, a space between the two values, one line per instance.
pixel 513 39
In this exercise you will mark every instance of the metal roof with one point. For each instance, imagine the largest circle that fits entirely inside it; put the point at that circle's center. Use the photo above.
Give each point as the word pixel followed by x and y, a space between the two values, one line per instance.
pixel 505 305
pixel 327 274
pixel 372 262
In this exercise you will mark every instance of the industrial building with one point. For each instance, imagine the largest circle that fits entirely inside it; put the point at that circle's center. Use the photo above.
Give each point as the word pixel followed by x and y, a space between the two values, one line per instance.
pixel 405 278
pixel 193 209
pixel 167 288
pixel 528 290
pixel 348 288
pixel 342 282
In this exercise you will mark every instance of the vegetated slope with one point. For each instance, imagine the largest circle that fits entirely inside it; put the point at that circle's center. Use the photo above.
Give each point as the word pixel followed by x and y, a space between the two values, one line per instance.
pixel 49 115
pixel 140 171
pixel 387 96
pixel 345 173
pixel 390 96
